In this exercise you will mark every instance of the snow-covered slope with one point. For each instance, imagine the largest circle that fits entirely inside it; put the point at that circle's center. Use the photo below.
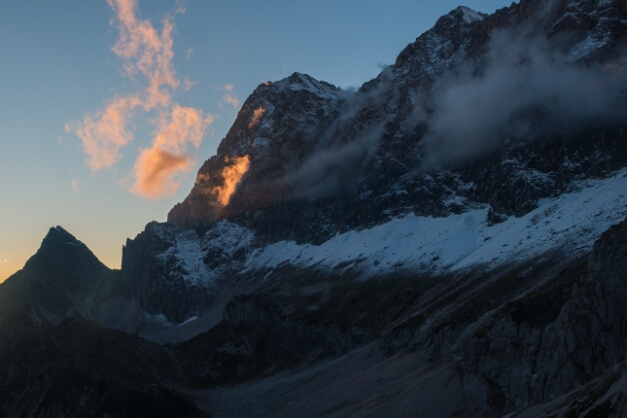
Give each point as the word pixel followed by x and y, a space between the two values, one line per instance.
pixel 569 223
pixel 202 261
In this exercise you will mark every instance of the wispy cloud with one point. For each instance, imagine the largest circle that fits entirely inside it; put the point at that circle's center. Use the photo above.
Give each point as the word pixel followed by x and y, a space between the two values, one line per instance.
pixel 232 100
pixel 229 98
pixel 188 84
pixel 529 88
pixel 74 185
pixel 105 132
pixel 143 49
pixel 148 53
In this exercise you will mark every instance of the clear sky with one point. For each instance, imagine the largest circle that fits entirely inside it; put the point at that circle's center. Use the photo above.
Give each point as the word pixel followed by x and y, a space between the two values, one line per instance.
pixel 93 91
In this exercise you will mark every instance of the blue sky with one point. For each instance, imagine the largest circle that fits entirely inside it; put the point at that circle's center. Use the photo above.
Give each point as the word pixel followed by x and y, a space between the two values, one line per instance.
pixel 58 66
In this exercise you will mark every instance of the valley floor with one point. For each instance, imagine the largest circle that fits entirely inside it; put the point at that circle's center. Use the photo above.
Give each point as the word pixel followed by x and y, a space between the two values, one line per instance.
pixel 362 383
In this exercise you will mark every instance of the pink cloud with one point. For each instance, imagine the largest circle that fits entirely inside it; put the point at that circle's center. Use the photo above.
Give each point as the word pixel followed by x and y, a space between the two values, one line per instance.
pixel 157 166
pixel 104 133
pixel 188 84
pixel 147 52
pixel 232 100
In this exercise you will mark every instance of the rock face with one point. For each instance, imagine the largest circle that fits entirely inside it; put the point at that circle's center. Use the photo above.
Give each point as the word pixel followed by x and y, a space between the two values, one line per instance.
pixel 258 336
pixel 594 320
pixel 566 329
pixel 282 122
pixel 157 285
pixel 323 161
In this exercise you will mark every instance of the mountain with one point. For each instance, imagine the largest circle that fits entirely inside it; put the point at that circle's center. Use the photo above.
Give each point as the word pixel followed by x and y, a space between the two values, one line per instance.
pixel 447 240
pixel 452 125
pixel 62 278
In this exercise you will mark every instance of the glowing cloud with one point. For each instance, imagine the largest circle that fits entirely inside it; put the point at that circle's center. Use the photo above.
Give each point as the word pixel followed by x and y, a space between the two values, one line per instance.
pixel 144 50
pixel 188 84
pixel 155 169
pixel 231 174
pixel 156 166
pixel 148 52
pixel 104 133
pixel 232 100
pixel 257 115
pixel 228 97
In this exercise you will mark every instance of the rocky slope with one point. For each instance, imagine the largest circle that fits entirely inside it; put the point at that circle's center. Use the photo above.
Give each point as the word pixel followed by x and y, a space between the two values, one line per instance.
pixel 80 370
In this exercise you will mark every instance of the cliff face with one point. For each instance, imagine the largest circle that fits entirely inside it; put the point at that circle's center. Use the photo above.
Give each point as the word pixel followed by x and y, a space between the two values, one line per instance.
pixel 420 138
pixel 157 284
pixel 277 127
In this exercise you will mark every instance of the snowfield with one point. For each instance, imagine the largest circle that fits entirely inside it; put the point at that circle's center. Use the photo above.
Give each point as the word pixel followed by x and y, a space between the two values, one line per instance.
pixel 570 222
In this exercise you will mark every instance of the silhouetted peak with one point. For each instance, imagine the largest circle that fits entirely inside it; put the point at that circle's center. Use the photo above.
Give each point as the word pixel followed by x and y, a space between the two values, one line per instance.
pixel 60 249
pixel 59 236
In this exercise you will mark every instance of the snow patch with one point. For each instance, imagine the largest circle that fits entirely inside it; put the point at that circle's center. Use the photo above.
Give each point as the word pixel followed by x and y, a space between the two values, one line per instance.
pixel 297 82
pixel 570 222
pixel 470 15
pixel 193 318
pixel 221 247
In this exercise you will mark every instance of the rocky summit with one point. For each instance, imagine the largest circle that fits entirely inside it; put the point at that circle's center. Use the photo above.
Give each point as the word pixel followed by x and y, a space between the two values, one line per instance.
pixel 447 240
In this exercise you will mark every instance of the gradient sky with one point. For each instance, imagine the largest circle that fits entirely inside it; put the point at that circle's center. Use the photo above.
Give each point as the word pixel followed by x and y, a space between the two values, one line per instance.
pixel 59 65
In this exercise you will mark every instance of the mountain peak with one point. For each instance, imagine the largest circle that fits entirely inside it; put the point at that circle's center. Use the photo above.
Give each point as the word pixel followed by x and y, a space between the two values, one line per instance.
pixel 299 81
pixel 469 15
pixel 59 236
pixel 460 15
pixel 60 250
